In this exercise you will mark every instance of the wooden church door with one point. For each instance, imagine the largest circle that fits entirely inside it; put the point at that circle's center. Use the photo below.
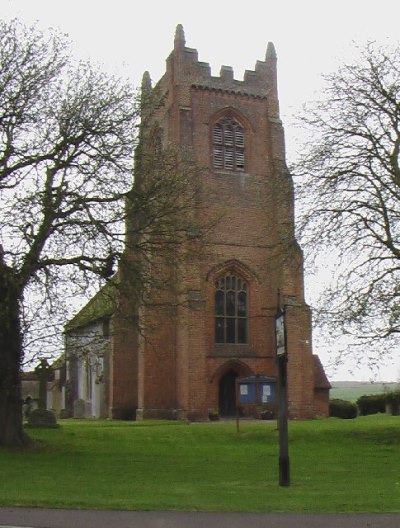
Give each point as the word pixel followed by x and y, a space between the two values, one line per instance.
pixel 227 394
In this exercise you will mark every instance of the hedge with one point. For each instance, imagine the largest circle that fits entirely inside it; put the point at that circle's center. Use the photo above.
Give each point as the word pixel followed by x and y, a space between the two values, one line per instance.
pixel 393 402
pixel 342 409
pixel 371 404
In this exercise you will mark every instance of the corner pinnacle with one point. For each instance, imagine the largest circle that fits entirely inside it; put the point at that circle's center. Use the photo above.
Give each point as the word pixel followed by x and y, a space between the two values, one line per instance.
pixel 146 81
pixel 271 53
pixel 179 35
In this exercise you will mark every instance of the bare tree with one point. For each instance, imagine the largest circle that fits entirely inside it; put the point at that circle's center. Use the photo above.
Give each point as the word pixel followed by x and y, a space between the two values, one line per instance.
pixel 67 134
pixel 348 184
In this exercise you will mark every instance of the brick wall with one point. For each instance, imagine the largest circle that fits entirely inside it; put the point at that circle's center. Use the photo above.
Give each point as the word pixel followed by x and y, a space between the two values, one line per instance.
pixel 178 366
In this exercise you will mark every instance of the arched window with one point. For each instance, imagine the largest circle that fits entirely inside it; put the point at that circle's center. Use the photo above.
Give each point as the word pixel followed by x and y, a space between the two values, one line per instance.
pixel 230 309
pixel 228 145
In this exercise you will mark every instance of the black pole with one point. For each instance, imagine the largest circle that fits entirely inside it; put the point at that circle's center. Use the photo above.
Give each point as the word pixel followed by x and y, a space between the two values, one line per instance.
pixel 282 359
pixel 284 465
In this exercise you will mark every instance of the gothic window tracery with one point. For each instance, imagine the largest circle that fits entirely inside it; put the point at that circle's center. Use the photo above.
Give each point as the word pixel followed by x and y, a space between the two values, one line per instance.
pixel 230 309
pixel 228 145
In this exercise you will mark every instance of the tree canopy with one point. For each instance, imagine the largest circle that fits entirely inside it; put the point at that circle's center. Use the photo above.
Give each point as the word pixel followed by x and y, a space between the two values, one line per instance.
pixel 348 184
pixel 67 136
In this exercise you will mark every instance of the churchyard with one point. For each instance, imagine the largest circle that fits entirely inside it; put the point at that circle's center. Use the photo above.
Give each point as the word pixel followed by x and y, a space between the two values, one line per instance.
pixel 336 466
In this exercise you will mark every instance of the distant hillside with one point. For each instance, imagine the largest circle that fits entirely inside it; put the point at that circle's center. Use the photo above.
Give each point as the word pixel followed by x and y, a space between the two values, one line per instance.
pixel 352 390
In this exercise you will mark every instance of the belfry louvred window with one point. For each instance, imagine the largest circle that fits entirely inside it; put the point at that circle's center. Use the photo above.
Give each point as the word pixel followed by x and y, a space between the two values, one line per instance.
pixel 230 309
pixel 228 145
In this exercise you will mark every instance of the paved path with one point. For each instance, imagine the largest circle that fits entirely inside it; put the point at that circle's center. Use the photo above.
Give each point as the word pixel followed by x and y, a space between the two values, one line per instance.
pixel 42 518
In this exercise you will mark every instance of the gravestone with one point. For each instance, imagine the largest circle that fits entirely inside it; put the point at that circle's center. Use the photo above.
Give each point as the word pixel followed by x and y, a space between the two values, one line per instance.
pixel 79 409
pixel 42 417
pixel 43 372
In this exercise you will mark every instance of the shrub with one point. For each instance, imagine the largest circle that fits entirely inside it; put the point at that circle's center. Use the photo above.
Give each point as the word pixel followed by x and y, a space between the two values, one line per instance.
pixel 342 409
pixel 267 415
pixel 371 404
pixel 213 415
pixel 393 402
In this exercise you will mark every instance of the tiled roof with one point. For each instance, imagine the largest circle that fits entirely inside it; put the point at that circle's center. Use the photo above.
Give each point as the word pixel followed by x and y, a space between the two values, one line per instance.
pixel 320 379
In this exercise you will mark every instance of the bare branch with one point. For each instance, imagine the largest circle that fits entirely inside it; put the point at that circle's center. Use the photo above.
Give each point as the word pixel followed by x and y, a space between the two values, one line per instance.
pixel 348 183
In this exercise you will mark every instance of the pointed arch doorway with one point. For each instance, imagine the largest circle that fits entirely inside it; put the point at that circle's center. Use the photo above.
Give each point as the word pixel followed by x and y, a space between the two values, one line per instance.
pixel 227 394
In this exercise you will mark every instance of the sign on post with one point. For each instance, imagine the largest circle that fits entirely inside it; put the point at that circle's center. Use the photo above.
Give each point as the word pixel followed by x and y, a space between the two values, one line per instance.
pixel 280 332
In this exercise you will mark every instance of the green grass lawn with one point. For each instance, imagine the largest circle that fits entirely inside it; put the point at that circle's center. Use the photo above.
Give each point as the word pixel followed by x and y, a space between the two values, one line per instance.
pixel 336 466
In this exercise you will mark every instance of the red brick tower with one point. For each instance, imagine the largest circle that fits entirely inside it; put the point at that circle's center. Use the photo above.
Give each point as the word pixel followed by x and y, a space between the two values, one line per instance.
pixel 222 325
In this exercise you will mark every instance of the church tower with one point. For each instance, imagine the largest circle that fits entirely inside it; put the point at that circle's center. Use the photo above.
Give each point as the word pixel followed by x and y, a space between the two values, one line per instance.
pixel 220 326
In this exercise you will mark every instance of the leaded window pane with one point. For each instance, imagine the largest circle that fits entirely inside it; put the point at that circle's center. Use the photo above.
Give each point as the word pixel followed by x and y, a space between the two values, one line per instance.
pixel 242 331
pixel 230 310
pixel 241 311
pixel 219 302
pixel 230 303
pixel 230 330
pixel 219 330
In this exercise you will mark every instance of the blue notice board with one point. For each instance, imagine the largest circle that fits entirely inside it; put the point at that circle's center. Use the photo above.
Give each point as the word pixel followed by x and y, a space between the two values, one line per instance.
pixel 256 390
pixel 247 393
pixel 267 392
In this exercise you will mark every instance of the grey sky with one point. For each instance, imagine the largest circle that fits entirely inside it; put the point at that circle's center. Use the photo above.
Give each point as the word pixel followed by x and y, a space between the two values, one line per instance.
pixel 310 36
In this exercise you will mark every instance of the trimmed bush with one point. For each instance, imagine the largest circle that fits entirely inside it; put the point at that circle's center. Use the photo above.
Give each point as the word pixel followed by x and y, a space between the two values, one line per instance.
pixel 267 415
pixel 213 415
pixel 342 409
pixel 371 404
pixel 393 402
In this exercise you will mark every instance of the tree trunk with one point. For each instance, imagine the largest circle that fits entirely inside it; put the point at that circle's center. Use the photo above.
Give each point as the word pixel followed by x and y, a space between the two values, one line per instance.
pixel 11 419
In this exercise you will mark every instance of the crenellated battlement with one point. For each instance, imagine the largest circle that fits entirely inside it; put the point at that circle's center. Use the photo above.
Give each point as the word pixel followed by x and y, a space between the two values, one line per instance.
pixel 184 69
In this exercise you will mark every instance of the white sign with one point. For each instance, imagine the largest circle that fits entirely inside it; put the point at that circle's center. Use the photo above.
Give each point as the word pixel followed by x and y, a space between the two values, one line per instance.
pixel 243 390
pixel 266 391
pixel 280 334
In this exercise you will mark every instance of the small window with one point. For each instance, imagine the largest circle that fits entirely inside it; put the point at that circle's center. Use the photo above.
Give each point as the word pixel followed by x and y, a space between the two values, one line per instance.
pixel 228 145
pixel 230 310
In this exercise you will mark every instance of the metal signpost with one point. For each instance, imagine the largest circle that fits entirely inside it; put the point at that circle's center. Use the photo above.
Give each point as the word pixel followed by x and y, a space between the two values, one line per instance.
pixel 281 357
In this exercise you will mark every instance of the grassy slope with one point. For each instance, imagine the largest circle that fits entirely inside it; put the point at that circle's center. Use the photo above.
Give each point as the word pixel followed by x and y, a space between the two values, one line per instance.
pixel 351 391
pixel 349 465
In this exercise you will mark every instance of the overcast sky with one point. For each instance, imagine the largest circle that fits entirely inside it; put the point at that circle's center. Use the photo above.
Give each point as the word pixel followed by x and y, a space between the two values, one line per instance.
pixel 311 37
